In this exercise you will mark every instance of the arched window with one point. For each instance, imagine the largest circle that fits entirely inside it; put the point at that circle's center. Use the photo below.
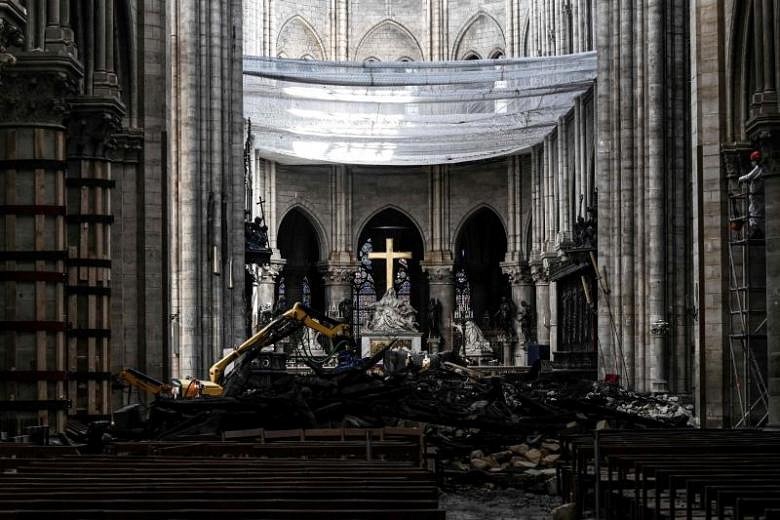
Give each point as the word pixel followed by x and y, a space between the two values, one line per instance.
pixel 497 54
pixel 372 59
pixel 402 284
pixel 471 55
pixel 281 294
pixel 307 57
pixel 363 288
pixel 405 59
pixel 306 291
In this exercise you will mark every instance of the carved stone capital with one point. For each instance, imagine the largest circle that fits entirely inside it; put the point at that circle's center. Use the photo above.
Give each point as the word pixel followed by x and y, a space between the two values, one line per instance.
pixel 439 274
pixel 539 274
pixel 129 146
pixel 338 274
pixel 94 124
pixel 36 89
pixel 519 273
pixel 266 273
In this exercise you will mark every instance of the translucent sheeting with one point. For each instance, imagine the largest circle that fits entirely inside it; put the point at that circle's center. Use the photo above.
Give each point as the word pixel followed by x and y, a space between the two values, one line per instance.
pixel 411 113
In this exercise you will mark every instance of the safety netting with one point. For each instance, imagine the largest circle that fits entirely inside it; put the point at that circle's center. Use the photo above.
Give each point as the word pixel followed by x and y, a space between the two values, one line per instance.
pixel 306 112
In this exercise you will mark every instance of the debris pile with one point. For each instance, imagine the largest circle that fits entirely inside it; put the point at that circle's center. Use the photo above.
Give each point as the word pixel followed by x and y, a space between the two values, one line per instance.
pixel 664 408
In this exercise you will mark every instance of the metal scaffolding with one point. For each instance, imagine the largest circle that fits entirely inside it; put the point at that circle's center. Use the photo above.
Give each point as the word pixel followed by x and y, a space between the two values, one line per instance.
pixel 747 303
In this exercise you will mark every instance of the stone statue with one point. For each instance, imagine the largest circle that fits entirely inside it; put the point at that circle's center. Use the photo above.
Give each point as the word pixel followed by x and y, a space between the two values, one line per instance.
pixel 526 318
pixel 504 318
pixel 346 310
pixel 474 341
pixel 392 314
pixel 256 234
pixel 434 318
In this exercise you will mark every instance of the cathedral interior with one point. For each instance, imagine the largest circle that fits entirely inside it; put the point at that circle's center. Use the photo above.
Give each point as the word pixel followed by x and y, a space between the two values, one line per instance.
pixel 592 185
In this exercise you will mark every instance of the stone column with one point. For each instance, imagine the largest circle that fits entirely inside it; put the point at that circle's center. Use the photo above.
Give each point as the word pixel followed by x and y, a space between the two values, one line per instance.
pixel 564 177
pixel 523 290
pixel 338 279
pixel 269 37
pixel 656 198
pixel 264 279
pixel 441 285
pixel 542 284
pixel 33 247
pixel 342 30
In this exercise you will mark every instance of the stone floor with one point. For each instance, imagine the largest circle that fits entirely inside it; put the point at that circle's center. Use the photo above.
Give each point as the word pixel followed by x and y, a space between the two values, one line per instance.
pixel 498 504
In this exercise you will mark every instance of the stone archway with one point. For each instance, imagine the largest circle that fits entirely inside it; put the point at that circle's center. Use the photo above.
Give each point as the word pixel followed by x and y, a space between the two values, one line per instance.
pixel 481 246
pixel 391 223
pixel 299 245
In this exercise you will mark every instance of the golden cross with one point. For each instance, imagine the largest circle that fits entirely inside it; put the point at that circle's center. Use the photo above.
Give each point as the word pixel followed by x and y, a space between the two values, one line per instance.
pixel 389 256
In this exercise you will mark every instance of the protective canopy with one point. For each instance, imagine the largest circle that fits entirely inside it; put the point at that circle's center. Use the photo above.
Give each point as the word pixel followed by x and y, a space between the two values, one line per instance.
pixel 421 113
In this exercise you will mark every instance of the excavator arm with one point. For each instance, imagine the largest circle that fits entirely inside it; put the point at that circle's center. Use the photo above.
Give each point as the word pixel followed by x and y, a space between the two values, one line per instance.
pixel 282 326
pixel 144 382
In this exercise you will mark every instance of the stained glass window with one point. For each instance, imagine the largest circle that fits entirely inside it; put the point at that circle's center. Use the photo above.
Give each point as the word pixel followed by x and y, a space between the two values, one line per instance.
pixel 463 309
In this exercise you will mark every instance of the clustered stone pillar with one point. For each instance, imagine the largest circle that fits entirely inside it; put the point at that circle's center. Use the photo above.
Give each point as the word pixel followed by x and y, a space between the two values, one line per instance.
pixel 205 181
pixel 33 250
pixel 438 260
pixel 89 183
pixel 339 270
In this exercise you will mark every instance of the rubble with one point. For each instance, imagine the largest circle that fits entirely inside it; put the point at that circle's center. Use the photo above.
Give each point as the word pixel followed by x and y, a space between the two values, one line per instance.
pixel 501 430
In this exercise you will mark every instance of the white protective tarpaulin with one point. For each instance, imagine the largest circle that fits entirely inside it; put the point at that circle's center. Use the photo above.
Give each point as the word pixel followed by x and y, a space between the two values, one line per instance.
pixel 307 112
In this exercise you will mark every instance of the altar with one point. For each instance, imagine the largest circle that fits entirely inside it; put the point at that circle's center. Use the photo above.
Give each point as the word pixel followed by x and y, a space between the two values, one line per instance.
pixel 373 342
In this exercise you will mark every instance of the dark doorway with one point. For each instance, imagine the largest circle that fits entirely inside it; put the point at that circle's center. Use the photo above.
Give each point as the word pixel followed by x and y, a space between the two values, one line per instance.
pixel 299 245
pixel 480 249
pixel 391 223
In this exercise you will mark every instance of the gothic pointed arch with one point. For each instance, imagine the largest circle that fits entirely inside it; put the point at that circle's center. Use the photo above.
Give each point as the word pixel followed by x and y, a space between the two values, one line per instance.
pixel 375 43
pixel 480 247
pixel 364 222
pixel 409 280
pixel 298 38
pixel 481 34
pixel 299 244
pixel 311 216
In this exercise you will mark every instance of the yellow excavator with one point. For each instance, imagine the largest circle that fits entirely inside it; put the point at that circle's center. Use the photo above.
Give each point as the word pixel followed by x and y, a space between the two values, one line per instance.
pixel 219 383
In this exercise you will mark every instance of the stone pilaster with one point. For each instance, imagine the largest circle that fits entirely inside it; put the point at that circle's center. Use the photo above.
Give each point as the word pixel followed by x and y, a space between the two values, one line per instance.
pixel 441 286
